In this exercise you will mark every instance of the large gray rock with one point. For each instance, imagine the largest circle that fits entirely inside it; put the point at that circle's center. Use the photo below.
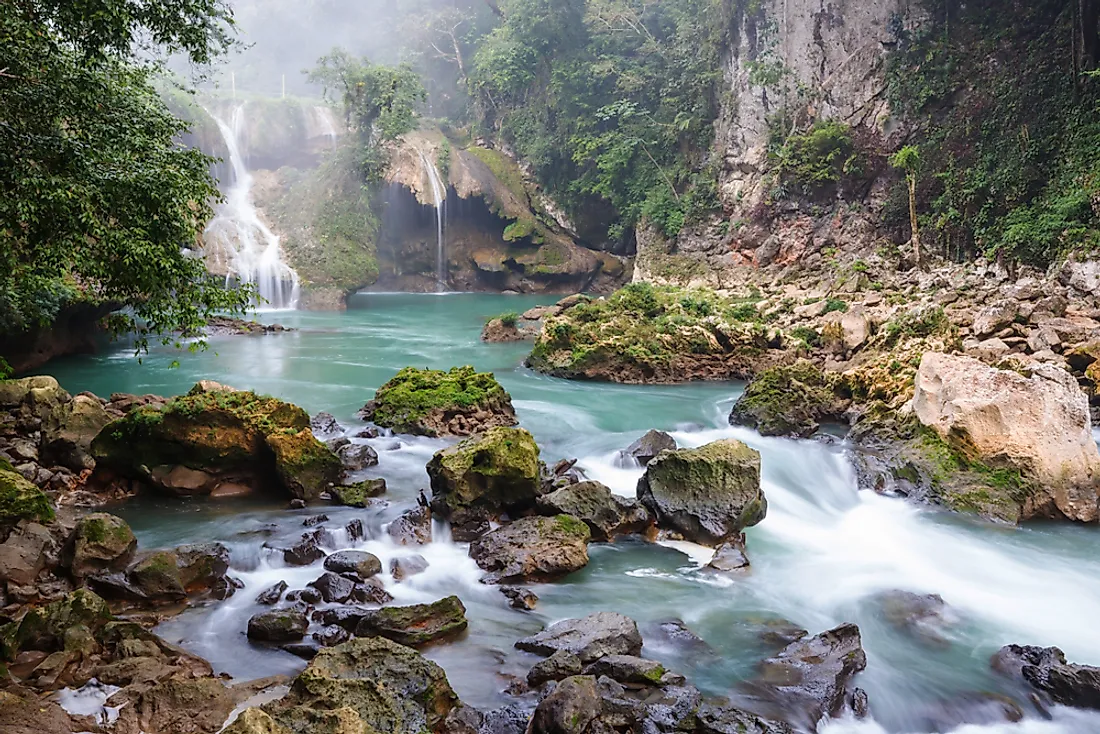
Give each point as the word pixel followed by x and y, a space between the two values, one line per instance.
pixel 100 542
pixel 412 528
pixel 68 432
pixel 1045 670
pixel 606 514
pixel 709 494
pixel 646 448
pixel 362 564
pixel 533 548
pixel 589 638
pixel 26 553
pixel 283 625
pixel 417 624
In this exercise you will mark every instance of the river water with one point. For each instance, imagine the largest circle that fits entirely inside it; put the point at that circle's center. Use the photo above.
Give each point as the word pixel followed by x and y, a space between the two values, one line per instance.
pixel 822 556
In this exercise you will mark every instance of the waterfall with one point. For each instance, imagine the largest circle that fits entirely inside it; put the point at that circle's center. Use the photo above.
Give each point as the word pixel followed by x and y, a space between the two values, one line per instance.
pixel 439 196
pixel 325 122
pixel 238 232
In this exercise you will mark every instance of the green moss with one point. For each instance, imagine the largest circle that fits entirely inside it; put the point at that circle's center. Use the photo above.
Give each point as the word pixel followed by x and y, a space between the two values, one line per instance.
pixel 414 393
pixel 571 526
pixel 495 469
pixel 919 323
pixel 791 399
pixel 358 494
pixel 835 304
pixel 21 500
pixel 655 673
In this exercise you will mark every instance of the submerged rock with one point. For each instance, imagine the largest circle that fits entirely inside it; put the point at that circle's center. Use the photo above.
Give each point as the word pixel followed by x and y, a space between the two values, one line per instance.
pixel 646 448
pixel 493 472
pixel 709 494
pixel 417 624
pixel 533 548
pixel 811 679
pixel 924 615
pixel 605 513
pixel 460 402
pixel 589 638
pixel 357 456
pixel 1045 671
pixel 405 566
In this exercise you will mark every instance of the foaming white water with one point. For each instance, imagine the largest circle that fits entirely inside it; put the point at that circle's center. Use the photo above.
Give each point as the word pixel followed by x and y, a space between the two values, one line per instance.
pixel 90 700
pixel 237 232
pixel 1063 721
pixel 439 196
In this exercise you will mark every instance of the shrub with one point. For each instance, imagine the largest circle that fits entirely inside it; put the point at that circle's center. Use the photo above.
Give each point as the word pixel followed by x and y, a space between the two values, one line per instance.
pixel 835 304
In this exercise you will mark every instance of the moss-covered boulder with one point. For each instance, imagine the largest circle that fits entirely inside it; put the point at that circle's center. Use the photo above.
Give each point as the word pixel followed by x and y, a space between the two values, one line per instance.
pixel 533 549
pixel 68 433
pixel 791 400
pixel 367 685
pixel 605 513
pixel 157 577
pixel 39 395
pixel 100 542
pixel 359 494
pixel 417 624
pixel 459 402
pixel 21 500
pixel 80 614
pixel 709 494
pixel 218 437
pixel 490 472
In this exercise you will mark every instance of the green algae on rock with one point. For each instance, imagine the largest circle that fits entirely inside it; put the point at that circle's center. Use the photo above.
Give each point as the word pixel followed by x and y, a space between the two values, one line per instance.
pixel 100 542
pixel 490 472
pixel 790 400
pixel 20 499
pixel 533 548
pixel 426 402
pixel 417 624
pixel 360 493
pixel 218 436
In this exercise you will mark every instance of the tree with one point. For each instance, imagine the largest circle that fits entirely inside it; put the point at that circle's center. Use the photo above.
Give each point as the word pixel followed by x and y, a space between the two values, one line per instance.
pixel 97 200
pixel 908 160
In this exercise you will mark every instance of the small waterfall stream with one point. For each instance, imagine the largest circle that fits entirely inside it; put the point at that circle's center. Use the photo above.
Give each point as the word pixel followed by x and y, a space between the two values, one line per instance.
pixel 439 196
pixel 253 251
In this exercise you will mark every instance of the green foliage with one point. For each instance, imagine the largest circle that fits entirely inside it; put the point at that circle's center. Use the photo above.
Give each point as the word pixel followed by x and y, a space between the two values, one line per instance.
pixel 5 369
pixel 809 337
pixel 818 158
pixel 1009 144
pixel 443 160
pixel 907 159
pixel 611 101
pixel 835 304
pixel 919 323
pixel 508 318
pixel 96 197
pixel 414 393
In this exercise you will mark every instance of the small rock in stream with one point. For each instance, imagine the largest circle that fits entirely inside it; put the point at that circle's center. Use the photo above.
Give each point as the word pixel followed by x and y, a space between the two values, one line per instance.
pixel 272 595
pixel 520 597
pixel 314 520
pixel 362 564
pixel 333 587
pixel 355 530
pixel 283 625
pixel 401 568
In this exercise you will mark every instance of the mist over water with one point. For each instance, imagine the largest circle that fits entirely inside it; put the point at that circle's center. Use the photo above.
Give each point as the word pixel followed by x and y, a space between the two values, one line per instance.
pixel 822 556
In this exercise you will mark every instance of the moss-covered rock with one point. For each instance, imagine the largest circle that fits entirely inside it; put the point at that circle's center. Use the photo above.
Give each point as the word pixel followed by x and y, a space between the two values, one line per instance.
pixel 47 628
pixel 100 542
pixel 533 548
pixel 708 494
pixel 221 433
pixel 40 395
pixel 360 493
pixel 425 402
pixel 68 433
pixel 21 500
pixel 417 624
pixel 605 513
pixel 367 685
pixel 491 472
pixel 157 577
pixel 791 400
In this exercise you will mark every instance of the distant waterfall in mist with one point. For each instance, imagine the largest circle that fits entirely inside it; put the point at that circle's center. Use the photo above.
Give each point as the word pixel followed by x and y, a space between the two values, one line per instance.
pixel 238 232
pixel 439 196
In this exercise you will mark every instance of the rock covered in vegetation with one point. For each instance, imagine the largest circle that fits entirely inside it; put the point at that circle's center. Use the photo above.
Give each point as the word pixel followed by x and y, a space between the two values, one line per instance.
pixel 646 448
pixel 426 402
pixel 358 494
pixel 606 514
pixel 708 494
pixel 510 327
pixel 790 400
pixel 216 438
pixel 533 548
pixel 1036 423
pixel 491 472
pixel 812 678
pixel 417 624
pixel 100 542
pixel 69 430
pixel 1045 671
pixel 589 638
pixel 366 684
pixel 20 499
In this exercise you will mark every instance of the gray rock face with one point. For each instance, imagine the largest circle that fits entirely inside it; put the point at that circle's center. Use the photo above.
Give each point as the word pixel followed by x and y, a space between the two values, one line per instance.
pixel 558 666
pixel 811 678
pixel 627 669
pixel 402 568
pixel 569 709
pixel 1045 670
pixel 730 556
pixel 589 638
pixel 303 553
pixel 202 565
pixel 272 594
pixel 646 448
pixel 605 513
pixel 357 456
pixel 520 597
pixel 362 564
pixel 535 548
pixel 333 587
pixel 284 625
pixel 323 425
pixel 709 494
pixel 417 624
pixel 412 528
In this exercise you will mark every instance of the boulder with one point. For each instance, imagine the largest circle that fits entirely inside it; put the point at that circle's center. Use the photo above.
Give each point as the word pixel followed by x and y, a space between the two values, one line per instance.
pixel 202 566
pixel 272 594
pixel 100 542
pixel 20 499
pixel 48 628
pixel 425 402
pixel 26 553
pixel 68 432
pixel 558 666
pixel 240 436
pixel 331 636
pixel 405 566
pixel 811 678
pixel 157 578
pixel 994 317
pixel 24 713
pixel 333 587
pixel 357 456
pixel 255 721
pixel 324 425
pixel 362 564
pixel 589 638
pixel 649 445
pixel 179 705
pixel 709 494
pixel 1036 424
pixel 495 471
pixel 40 395
pixel 790 400
pixel 606 514
pixel 359 494
pixel 569 709
pixel 305 552
pixel 281 625
pixel 417 624
pixel 519 597
pixel 1045 671
pixel 412 528
pixel 367 685
pixel 627 669
pixel 730 556
pixel 532 548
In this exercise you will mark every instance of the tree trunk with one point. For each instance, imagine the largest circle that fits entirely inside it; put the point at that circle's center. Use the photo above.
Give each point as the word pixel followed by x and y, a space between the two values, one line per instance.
pixel 913 219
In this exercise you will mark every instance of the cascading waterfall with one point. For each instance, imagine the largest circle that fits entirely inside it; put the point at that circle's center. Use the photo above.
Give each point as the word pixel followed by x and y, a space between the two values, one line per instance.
pixel 439 196
pixel 253 251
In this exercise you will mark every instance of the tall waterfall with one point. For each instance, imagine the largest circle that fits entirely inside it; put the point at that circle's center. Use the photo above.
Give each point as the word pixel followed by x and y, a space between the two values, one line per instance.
pixel 439 196
pixel 237 232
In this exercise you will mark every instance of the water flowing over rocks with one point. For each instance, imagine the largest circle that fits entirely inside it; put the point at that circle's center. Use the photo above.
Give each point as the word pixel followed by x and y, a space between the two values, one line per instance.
pixel 1045 671
pixel 646 448
pixel 708 494
pixel 1036 423
pixel 532 549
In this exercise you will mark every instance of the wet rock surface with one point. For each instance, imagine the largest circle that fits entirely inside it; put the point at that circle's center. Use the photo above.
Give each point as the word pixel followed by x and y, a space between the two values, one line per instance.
pixel 532 548
pixel 1045 671
pixel 646 448
pixel 589 638
pixel 284 625
pixel 417 624
pixel 605 513
pixel 495 471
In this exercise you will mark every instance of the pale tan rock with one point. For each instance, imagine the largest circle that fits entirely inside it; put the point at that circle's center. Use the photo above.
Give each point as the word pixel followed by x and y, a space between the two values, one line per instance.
pixel 1037 423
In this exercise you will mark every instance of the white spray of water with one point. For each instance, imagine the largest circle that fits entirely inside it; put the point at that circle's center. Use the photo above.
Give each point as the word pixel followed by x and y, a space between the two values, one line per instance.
pixel 237 230
pixel 325 123
pixel 439 196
